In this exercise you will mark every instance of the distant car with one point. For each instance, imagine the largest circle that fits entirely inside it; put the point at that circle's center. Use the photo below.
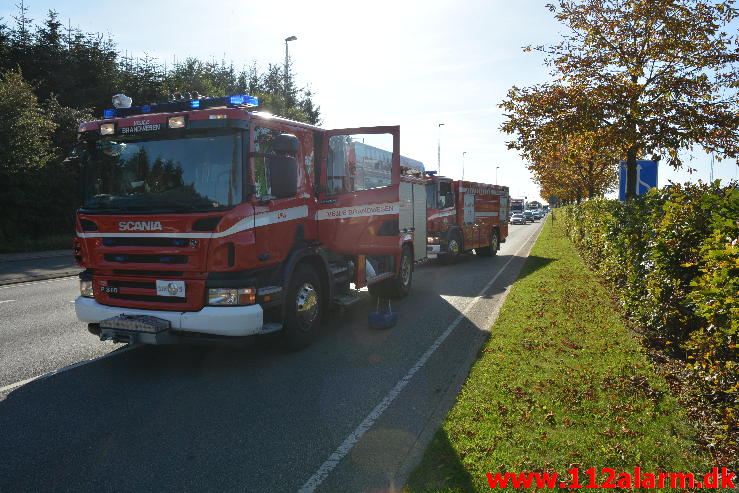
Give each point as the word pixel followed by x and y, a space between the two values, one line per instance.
pixel 538 214
pixel 518 219
pixel 529 216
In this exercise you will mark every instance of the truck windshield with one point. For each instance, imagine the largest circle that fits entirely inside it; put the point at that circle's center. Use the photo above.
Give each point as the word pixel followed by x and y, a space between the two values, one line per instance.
pixel 200 172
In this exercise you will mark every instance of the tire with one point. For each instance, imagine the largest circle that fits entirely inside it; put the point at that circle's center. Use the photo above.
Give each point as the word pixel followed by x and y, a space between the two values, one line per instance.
pixel 492 249
pixel 454 249
pixel 303 308
pixel 398 287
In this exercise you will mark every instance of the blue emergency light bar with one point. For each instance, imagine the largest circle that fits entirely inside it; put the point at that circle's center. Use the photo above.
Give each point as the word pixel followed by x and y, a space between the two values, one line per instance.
pixel 236 100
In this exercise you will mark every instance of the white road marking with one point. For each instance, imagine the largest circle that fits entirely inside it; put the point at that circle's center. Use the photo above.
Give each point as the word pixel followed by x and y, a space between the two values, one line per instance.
pixel 15 385
pixel 31 283
pixel 333 460
pixel 6 301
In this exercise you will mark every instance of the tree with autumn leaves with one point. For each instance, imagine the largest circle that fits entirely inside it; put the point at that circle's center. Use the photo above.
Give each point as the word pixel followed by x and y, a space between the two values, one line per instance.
pixel 632 79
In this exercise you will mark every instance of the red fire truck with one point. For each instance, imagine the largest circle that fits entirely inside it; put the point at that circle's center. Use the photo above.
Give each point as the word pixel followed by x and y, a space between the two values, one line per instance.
pixel 465 216
pixel 205 219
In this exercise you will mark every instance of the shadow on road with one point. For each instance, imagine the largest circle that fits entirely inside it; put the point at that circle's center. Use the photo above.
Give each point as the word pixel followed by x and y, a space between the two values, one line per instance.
pixel 241 419
pixel 431 477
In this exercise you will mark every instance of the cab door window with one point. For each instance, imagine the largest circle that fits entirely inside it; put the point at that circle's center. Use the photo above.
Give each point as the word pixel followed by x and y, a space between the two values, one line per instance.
pixel 358 162
pixel 446 196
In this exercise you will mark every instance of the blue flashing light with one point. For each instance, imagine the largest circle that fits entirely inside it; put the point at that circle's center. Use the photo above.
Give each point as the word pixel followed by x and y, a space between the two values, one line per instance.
pixel 240 100
pixel 431 173
pixel 243 99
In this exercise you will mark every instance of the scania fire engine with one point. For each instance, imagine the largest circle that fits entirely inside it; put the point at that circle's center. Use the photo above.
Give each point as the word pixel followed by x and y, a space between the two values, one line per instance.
pixel 205 219
pixel 465 216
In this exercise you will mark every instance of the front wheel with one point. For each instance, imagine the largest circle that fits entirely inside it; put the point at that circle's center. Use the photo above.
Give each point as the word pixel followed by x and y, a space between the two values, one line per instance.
pixel 453 249
pixel 492 249
pixel 303 308
pixel 399 286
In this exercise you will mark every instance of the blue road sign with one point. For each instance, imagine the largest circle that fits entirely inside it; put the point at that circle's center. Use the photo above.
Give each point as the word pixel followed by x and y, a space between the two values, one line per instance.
pixel 646 178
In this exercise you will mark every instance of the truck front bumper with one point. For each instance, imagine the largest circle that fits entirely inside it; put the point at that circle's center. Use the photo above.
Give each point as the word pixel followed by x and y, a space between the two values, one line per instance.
pixel 230 321
pixel 433 251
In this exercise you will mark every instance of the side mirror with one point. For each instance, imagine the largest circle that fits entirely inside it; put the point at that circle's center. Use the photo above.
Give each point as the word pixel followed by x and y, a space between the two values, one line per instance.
pixel 286 144
pixel 283 173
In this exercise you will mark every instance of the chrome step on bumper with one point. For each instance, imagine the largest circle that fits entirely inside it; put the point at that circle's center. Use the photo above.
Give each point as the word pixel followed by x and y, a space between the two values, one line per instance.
pixel 168 336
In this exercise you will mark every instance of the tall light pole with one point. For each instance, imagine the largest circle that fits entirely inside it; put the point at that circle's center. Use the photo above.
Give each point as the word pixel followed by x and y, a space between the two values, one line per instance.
pixel 465 152
pixel 438 150
pixel 496 174
pixel 287 64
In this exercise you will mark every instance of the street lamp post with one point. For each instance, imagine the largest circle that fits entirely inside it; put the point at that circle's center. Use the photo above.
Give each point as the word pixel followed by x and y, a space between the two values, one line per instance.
pixel 496 174
pixel 465 152
pixel 287 64
pixel 438 150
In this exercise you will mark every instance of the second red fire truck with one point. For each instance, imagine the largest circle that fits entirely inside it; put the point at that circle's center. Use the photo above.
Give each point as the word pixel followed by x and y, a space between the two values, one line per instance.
pixel 465 216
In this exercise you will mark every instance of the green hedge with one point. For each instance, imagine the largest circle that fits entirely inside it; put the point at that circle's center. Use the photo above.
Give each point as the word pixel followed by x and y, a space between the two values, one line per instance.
pixel 673 258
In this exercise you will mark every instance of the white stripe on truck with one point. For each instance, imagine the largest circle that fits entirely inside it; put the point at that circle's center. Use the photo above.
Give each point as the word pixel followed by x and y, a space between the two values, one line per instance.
pixel 263 219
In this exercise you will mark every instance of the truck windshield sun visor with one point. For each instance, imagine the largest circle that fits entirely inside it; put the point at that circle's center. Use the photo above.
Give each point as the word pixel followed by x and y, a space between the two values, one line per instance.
pixel 193 172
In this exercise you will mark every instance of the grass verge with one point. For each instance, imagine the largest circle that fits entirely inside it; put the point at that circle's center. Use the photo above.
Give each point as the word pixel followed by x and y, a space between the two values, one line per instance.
pixel 561 383
pixel 54 242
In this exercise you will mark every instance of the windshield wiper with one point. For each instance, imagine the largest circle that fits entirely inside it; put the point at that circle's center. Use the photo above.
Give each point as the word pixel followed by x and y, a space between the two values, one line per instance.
pixel 105 210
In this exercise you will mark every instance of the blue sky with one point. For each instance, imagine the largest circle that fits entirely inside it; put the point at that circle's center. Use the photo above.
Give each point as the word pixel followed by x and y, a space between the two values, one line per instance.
pixel 416 64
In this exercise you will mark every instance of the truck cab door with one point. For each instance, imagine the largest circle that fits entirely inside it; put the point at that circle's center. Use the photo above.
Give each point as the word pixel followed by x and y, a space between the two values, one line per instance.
pixel 358 199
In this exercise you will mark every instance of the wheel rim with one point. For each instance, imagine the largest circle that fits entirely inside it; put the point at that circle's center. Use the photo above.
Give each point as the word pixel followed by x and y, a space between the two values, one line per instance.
pixel 405 270
pixel 306 305
pixel 453 246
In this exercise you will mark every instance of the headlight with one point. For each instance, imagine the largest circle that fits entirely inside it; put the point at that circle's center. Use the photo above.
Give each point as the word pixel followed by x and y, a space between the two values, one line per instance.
pixel 231 296
pixel 432 239
pixel 86 289
pixel 176 122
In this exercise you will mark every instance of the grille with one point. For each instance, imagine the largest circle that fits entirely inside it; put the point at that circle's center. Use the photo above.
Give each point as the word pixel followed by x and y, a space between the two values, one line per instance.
pixel 151 298
pixel 145 259
pixel 132 284
pixel 159 242
pixel 150 273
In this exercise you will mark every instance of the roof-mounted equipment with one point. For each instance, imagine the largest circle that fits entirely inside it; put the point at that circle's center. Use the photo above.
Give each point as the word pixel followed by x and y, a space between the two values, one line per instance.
pixel 188 102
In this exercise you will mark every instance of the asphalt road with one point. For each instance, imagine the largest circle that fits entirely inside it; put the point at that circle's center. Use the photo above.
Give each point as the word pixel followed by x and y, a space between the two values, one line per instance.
pixel 350 413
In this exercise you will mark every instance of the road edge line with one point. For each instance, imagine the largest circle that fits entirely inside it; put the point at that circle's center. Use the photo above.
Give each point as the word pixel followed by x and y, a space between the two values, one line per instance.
pixel 345 447
pixel 416 451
